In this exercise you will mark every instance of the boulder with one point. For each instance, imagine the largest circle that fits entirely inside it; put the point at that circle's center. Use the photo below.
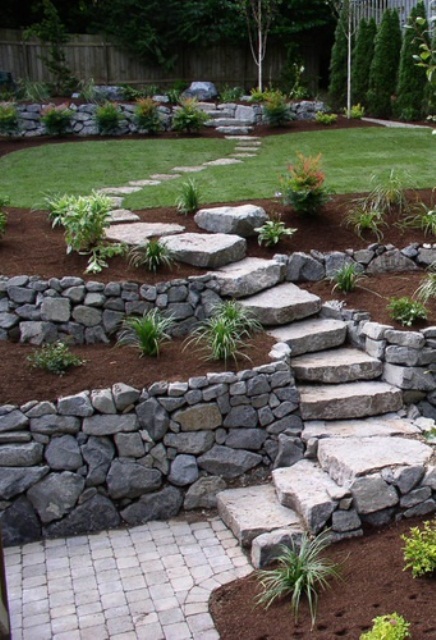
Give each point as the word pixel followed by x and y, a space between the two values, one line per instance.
pixel 131 480
pixel 19 523
pixel 96 514
pixel 98 453
pixel 201 91
pixel 55 495
pixel 161 505
pixel 63 454
pixel 203 250
pixel 241 220
pixel 203 493
pixel 248 276
pixel 228 463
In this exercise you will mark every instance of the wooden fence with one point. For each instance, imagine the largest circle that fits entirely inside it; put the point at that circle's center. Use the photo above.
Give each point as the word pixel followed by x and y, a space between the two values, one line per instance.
pixel 91 56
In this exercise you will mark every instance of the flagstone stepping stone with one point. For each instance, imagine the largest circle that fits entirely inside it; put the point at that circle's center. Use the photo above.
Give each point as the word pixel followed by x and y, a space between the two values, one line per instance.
pixel 116 202
pixel 119 191
pixel 117 216
pixel 249 142
pixel 165 176
pixel 188 169
pixel 245 149
pixel 229 130
pixel 241 220
pixel 144 183
pixel 136 233
pixel 282 304
pixel 222 162
pixel 386 425
pixel 207 250
pixel 248 276
pixel 252 138
pixel 244 155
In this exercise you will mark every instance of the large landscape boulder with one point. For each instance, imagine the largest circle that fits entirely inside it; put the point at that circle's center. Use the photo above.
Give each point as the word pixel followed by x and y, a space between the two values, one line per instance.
pixel 203 250
pixel 201 90
pixel 241 220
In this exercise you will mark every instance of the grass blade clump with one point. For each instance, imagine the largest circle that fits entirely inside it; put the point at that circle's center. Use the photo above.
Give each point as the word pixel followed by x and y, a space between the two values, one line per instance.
pixel 152 255
pixel 146 333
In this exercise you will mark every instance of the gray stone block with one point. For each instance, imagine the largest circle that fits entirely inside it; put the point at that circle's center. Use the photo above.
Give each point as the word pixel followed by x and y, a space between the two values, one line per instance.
pixel 131 480
pixel 161 505
pixel 228 463
pixel 55 495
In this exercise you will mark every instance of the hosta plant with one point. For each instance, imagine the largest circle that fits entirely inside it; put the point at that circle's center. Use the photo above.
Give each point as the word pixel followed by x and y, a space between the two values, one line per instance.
pixel 152 255
pixel 407 311
pixel 55 358
pixel 272 231
pixel 99 255
pixel 303 185
pixel 8 118
pixel 189 117
pixel 300 572
pixel 347 277
pixel 420 549
pixel 56 119
pixel 389 627
pixel 146 333
pixel 188 200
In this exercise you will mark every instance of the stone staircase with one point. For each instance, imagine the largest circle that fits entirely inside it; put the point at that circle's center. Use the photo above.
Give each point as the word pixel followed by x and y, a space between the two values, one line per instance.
pixel 361 462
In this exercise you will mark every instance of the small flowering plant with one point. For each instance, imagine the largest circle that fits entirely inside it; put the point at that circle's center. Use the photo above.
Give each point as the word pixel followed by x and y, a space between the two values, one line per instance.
pixel 303 185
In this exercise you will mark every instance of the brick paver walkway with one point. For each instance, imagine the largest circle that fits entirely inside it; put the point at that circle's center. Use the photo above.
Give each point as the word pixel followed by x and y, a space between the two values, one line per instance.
pixel 151 582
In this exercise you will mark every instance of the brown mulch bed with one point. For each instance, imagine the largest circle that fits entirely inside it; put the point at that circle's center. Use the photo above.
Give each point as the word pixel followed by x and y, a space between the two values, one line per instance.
pixel 373 584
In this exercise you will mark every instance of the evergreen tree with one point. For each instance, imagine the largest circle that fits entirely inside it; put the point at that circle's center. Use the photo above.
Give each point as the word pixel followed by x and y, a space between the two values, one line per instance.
pixel 430 90
pixel 338 64
pixel 412 80
pixel 384 67
pixel 362 58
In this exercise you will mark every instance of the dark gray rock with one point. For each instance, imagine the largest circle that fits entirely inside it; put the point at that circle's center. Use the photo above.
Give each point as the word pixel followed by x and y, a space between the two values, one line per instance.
pixel 55 495
pixel 183 470
pixel 98 454
pixel 76 405
pixel 21 455
pixel 302 267
pixel 38 332
pixel 156 506
pixel 241 416
pixel 195 443
pixel 129 445
pixel 131 480
pixel 105 425
pixel 201 91
pixel 102 401
pixel 289 452
pixel 63 454
pixel 345 520
pixel 124 395
pixel 202 494
pixel 228 463
pixel 153 417
pixel 251 439
pixel 19 523
pixel 52 424
pixel 15 480
pixel 15 420
pixel 96 514
pixel 372 494
pixel 55 309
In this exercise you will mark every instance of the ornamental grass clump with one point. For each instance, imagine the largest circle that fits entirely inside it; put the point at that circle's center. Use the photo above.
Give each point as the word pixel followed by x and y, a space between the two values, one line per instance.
pixel 427 289
pixel 188 200
pixel 146 333
pixel 301 572
pixel 56 119
pixel 303 185
pixel 347 277
pixel 152 255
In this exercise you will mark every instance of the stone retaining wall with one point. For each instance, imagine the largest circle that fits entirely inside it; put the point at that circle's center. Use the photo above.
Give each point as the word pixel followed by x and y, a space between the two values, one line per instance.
pixel 83 118
pixel 122 455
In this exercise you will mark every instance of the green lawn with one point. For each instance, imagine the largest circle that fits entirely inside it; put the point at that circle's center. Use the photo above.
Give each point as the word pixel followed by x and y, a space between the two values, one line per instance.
pixel 350 157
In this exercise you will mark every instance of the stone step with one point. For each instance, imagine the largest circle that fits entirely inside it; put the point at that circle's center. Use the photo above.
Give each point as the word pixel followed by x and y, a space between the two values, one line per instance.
pixel 389 424
pixel 314 334
pixel 227 122
pixel 309 491
pixel 248 276
pixel 346 459
pixel 282 304
pixel 234 130
pixel 212 250
pixel 252 511
pixel 336 365
pixel 352 400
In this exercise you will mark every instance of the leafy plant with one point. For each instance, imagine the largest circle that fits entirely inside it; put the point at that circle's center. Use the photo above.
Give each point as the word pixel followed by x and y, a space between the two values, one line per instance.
pixel 152 255
pixel 301 571
pixel 130 94
pixel 188 200
pixel 427 288
pixel 406 310
pixel 276 110
pixel 146 333
pixel 8 118
pixel 303 186
pixel 357 112
pixel 347 277
pixel 224 334
pixel 55 358
pixel 147 115
pixel 325 118
pixel 424 219
pixel 33 91
pixel 363 219
pixel 272 231
pixel 107 117
pixel 389 627
pixel 100 254
pixel 420 549
pixel 4 200
pixel 231 94
pixel 189 117
pixel 56 119
pixel 58 207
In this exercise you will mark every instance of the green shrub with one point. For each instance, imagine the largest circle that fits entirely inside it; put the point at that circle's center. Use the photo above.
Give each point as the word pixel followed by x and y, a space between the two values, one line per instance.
pixel 389 627
pixel 406 310
pixel 147 115
pixel 188 200
pixel 361 60
pixel 301 571
pixel 363 219
pixel 303 186
pixel 100 255
pixel 130 94
pixel 189 117
pixel 338 63
pixel 8 118
pixel 146 333
pixel 107 117
pixel 56 119
pixel 347 277
pixel 356 112
pixel 55 358
pixel 4 201
pixel 231 94
pixel 325 118
pixel 276 110
pixel 420 549
pixel 223 335
pixel 152 255
pixel 272 232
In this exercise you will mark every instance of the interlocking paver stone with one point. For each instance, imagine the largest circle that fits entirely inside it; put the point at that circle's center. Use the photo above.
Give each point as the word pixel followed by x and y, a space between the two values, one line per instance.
pixel 153 581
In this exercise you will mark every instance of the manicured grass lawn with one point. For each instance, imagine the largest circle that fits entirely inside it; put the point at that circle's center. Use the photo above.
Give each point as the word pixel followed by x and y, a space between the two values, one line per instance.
pixel 350 158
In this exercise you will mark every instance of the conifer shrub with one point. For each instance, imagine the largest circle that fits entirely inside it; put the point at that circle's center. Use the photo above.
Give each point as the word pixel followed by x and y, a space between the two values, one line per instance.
pixel 362 58
pixel 338 64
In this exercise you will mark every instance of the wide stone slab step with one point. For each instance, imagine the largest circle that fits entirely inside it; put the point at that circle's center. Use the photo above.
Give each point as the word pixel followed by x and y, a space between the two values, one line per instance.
pixel 314 334
pixel 252 511
pixel 207 250
pixel 282 304
pixel 136 233
pixel 346 459
pixel 248 276
pixel 386 425
pixel 309 491
pixel 352 400
pixel 336 365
